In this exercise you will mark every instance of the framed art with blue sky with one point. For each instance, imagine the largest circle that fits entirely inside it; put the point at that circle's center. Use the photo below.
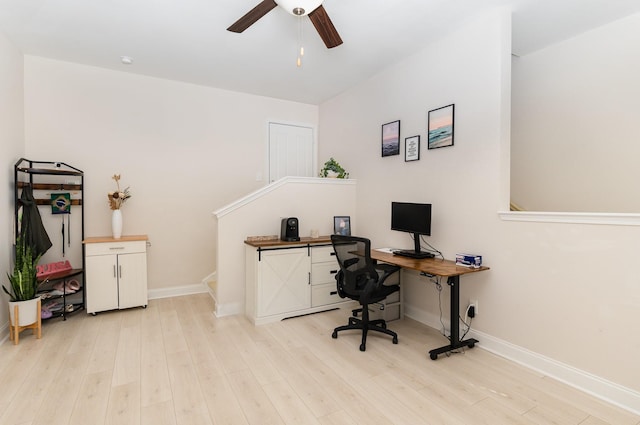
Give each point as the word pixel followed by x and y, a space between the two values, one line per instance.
pixel 440 127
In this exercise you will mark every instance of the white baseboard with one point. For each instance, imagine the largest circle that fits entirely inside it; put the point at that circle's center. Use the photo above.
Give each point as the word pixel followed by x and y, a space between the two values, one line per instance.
pixel 221 310
pixel 229 309
pixel 212 276
pixel 608 391
pixel 598 387
pixel 177 291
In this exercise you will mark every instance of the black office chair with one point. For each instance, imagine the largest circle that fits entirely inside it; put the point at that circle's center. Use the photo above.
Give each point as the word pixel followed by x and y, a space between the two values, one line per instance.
pixel 362 280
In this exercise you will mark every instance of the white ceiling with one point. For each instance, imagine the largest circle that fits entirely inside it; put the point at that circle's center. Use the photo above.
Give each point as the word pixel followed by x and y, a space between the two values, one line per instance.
pixel 186 40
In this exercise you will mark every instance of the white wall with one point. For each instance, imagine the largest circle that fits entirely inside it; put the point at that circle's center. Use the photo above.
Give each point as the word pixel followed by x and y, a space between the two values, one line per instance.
pixel 560 296
pixel 12 142
pixel 575 123
pixel 314 201
pixel 185 150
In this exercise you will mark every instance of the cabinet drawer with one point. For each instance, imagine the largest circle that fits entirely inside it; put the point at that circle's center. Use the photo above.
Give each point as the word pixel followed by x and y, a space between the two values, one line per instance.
pixel 320 254
pixel 390 312
pixel 324 272
pixel 324 294
pixel 111 248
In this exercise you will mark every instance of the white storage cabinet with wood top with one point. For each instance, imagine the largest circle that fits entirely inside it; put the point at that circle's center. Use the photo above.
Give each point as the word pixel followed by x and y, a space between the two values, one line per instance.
pixel 116 273
pixel 287 279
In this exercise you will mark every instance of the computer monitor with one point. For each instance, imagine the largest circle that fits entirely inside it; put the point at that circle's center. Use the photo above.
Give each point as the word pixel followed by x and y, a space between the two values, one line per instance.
pixel 412 218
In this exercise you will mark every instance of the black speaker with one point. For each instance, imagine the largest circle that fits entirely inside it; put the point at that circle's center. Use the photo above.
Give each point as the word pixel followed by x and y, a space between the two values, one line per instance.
pixel 289 229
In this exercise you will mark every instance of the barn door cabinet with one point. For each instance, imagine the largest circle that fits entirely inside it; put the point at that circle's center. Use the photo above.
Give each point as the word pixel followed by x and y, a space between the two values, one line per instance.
pixel 116 273
pixel 288 279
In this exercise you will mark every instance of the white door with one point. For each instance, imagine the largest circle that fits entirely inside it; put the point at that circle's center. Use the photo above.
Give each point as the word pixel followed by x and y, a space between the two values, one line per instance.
pixel 291 151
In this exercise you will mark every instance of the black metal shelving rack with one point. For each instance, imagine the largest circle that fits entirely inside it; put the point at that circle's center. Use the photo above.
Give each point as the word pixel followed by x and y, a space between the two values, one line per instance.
pixel 29 172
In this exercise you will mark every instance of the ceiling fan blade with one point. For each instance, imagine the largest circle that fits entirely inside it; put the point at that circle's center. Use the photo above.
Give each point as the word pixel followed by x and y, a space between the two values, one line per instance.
pixel 325 27
pixel 252 16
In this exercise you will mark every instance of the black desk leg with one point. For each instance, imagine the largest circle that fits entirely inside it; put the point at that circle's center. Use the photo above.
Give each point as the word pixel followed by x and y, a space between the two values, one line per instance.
pixel 454 283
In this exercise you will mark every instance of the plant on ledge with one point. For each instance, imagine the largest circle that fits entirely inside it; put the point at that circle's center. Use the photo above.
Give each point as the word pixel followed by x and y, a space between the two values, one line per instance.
pixel 333 169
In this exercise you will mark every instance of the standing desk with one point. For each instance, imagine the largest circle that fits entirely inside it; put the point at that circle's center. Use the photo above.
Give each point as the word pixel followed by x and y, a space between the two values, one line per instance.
pixel 443 268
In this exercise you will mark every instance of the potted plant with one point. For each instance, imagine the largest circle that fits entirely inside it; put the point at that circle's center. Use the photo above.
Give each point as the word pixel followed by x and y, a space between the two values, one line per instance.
pixel 24 304
pixel 333 169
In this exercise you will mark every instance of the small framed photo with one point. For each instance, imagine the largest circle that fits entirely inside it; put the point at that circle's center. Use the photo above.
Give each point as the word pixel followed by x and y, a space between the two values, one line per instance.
pixel 391 138
pixel 412 148
pixel 342 225
pixel 440 127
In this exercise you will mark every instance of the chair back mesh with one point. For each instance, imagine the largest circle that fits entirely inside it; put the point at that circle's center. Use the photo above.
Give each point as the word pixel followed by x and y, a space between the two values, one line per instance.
pixel 356 267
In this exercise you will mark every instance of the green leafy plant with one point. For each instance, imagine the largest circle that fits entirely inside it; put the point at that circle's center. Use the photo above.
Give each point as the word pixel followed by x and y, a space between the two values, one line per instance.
pixel 334 166
pixel 24 279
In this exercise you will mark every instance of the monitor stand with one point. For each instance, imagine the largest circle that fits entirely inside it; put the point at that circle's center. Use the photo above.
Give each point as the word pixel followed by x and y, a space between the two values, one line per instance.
pixel 416 252
pixel 413 254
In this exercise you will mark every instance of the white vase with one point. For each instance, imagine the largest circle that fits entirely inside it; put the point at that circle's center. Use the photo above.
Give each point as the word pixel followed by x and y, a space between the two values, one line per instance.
pixel 116 224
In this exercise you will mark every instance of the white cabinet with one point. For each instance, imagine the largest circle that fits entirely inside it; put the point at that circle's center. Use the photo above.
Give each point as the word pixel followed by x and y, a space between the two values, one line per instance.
pixel 289 279
pixel 116 273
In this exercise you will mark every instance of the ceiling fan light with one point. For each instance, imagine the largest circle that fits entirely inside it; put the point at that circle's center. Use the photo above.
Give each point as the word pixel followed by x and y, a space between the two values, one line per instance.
pixel 299 7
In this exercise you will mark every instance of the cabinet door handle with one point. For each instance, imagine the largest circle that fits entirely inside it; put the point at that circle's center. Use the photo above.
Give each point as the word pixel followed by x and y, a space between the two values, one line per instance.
pixel 333 293
pixel 116 247
pixel 332 253
pixel 114 271
pixel 333 271
pixel 120 272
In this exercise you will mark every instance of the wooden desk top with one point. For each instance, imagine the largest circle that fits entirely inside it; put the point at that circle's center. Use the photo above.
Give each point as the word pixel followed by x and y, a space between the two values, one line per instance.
pixel 277 242
pixel 434 266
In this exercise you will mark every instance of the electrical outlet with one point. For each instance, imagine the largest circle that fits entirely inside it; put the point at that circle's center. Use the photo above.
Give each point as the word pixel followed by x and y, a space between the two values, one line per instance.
pixel 474 303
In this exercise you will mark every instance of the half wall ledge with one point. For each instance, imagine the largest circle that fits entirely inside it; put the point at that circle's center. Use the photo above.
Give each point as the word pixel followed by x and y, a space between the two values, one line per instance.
pixel 617 219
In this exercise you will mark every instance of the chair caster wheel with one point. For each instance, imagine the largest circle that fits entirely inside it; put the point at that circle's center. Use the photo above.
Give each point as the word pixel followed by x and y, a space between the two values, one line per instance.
pixel 395 340
pixel 362 347
pixel 471 344
pixel 433 356
pixel 384 326
pixel 334 335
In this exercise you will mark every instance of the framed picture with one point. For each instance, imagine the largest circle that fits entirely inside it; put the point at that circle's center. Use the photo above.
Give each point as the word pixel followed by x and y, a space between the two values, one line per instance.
pixel 391 138
pixel 342 225
pixel 412 148
pixel 440 130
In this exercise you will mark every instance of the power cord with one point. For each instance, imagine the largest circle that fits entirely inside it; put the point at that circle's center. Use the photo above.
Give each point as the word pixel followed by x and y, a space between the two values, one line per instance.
pixel 431 248
pixel 436 281
pixel 467 322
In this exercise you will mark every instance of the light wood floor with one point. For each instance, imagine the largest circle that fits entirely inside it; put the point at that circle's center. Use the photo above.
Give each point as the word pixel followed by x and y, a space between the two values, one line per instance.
pixel 175 363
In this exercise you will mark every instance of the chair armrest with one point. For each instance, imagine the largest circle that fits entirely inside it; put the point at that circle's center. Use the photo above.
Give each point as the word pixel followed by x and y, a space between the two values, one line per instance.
pixel 387 270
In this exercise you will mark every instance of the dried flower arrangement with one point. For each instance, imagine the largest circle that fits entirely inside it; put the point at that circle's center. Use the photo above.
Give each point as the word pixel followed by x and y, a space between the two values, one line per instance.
pixel 117 198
